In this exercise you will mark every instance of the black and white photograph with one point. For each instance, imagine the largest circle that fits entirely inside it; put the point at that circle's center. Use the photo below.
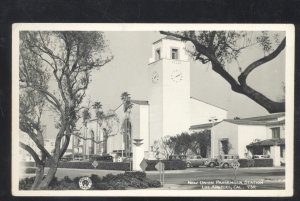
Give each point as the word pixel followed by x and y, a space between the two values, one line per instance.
pixel 152 109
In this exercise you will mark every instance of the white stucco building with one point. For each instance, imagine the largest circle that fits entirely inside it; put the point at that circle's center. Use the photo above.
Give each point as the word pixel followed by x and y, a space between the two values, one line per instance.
pixel 170 108
pixel 250 136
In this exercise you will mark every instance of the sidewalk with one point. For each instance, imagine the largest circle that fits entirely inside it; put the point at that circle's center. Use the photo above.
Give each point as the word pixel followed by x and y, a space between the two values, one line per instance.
pixel 205 169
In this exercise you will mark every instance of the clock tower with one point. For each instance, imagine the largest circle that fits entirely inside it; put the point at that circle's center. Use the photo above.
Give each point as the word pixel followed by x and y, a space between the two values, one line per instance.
pixel 169 88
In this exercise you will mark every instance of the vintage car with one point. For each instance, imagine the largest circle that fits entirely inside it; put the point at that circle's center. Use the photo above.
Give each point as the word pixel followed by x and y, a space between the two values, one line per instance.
pixel 195 161
pixel 224 161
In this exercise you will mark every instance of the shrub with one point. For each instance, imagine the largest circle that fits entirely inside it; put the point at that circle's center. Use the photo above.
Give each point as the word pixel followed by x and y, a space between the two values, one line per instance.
pixel 26 183
pixel 28 164
pixel 30 170
pixel 101 165
pixel 246 162
pixel 108 182
pixel 263 162
pixel 128 179
pixel 169 164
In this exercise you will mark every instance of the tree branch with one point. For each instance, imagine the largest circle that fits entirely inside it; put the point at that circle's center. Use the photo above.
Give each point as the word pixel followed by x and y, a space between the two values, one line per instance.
pixel 31 152
pixel 38 143
pixel 243 76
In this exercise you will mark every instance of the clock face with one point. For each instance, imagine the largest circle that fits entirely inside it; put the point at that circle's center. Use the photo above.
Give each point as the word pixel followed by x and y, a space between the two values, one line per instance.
pixel 176 76
pixel 155 77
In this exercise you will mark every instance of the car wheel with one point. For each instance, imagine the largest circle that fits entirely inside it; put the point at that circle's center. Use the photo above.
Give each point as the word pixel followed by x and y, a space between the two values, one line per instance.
pixel 225 165
pixel 211 164
pixel 188 165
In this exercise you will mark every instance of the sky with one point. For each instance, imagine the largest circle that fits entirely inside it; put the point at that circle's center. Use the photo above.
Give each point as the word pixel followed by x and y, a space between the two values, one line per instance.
pixel 128 72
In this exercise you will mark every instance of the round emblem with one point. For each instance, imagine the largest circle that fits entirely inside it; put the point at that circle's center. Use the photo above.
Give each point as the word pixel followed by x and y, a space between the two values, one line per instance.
pixel 85 183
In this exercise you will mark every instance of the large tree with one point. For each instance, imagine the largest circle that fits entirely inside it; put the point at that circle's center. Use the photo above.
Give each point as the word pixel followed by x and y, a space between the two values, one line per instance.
pixel 68 58
pixel 220 48
pixel 201 142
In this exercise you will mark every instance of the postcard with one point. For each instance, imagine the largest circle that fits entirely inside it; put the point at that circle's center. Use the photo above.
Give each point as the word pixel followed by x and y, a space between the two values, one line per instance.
pixel 153 109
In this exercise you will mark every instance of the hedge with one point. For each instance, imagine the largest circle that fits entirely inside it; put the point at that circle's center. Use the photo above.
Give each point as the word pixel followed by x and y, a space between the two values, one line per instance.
pixel 263 162
pixel 30 170
pixel 169 164
pixel 109 182
pixel 246 162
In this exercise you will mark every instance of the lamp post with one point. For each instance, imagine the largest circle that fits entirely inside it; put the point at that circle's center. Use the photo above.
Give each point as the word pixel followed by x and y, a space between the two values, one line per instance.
pixel 212 120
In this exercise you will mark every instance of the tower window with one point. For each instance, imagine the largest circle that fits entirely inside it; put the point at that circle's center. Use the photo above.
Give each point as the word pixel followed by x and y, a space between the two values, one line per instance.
pixel 275 132
pixel 174 53
pixel 157 54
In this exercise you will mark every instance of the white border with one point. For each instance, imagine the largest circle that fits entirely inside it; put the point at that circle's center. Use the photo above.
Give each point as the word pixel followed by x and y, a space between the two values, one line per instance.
pixel 289 127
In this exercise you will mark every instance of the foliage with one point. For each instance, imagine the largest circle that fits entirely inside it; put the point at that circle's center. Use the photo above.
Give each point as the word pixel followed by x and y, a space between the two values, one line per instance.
pixel 26 183
pixel 164 147
pixel 169 164
pixel 246 162
pixel 221 48
pixel 86 115
pixel 183 143
pixel 263 162
pixel 30 170
pixel 226 146
pixel 103 165
pixel 197 142
pixel 127 124
pixel 126 100
pixel 109 182
pixel 201 142
pixel 67 58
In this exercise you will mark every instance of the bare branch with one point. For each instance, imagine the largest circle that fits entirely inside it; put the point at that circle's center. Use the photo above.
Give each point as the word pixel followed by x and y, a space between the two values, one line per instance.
pixel 31 152
pixel 242 78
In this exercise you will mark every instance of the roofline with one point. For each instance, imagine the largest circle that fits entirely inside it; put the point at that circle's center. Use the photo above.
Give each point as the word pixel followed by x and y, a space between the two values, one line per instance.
pixel 165 38
pixel 252 123
pixel 205 126
pixel 133 101
pixel 161 59
pixel 280 114
pixel 208 103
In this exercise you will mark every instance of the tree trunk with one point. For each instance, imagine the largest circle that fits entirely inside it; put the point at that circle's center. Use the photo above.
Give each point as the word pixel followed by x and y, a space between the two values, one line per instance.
pixel 51 173
pixel 39 174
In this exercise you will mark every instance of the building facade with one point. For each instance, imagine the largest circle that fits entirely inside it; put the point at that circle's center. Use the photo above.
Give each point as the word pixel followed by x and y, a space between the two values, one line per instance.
pixel 250 136
pixel 170 108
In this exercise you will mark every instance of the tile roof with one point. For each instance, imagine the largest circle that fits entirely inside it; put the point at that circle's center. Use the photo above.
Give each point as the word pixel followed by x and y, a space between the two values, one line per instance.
pixel 268 142
pixel 275 123
pixel 268 117
pixel 167 37
pixel 140 102
pixel 203 126
pixel 245 122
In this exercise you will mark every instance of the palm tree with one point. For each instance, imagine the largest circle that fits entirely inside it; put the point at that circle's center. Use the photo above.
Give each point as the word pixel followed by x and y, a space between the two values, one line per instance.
pixel 126 125
pixel 86 115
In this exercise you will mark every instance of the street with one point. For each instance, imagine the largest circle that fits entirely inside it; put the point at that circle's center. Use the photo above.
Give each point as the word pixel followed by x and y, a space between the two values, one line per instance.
pixel 191 178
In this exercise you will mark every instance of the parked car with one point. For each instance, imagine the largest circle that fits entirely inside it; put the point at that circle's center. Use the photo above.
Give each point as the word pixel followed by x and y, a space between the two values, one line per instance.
pixel 195 161
pixel 211 162
pixel 227 160
pixel 261 156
